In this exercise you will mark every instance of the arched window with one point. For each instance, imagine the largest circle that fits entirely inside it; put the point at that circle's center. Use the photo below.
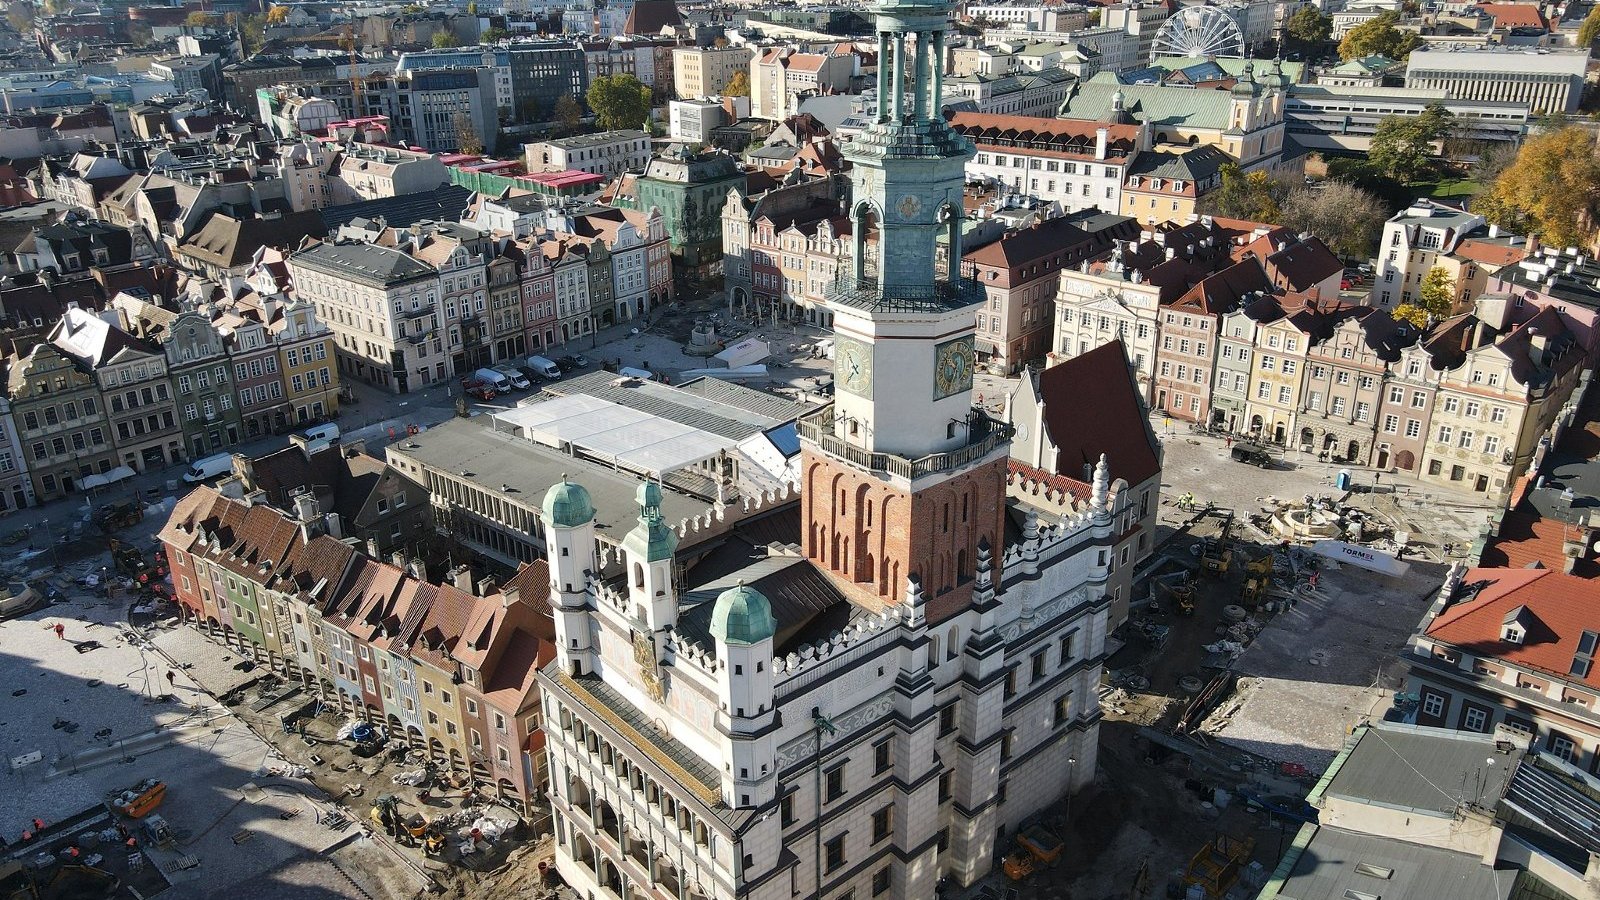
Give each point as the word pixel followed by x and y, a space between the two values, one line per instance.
pixel 638 575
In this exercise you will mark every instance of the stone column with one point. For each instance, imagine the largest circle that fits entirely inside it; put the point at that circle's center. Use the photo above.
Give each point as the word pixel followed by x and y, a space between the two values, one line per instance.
pixel 898 79
pixel 934 111
pixel 919 97
pixel 883 76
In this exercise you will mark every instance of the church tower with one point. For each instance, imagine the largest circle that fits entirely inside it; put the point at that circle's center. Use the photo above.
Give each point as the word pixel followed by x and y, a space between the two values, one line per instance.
pixel 901 475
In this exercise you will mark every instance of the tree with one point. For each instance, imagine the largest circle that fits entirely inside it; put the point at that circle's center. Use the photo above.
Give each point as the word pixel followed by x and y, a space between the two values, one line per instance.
pixel 619 101
pixel 568 112
pixel 278 15
pixel 1378 36
pixel 1309 26
pixel 1552 189
pixel 1590 29
pixel 198 19
pixel 139 34
pixel 445 39
pixel 1346 218
pixel 1255 197
pixel 467 138
pixel 1438 293
pixel 253 33
pixel 1402 146
pixel 1436 300
pixel 738 85
pixel 494 35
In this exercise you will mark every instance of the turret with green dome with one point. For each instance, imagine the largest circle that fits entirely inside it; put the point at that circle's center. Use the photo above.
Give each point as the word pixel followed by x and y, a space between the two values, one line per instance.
pixel 742 615
pixel 652 539
pixel 567 505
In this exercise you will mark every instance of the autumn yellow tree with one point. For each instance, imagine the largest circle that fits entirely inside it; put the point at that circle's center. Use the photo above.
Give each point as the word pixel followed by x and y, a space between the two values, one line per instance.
pixel 738 85
pixel 1552 189
pixel 198 19
pixel 277 15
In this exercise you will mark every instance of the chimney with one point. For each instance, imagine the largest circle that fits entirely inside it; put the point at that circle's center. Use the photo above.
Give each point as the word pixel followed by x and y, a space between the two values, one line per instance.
pixel 231 487
pixel 397 559
pixel 1102 138
pixel 306 509
pixel 372 548
pixel 461 577
pixel 245 469
pixel 1494 230
pixel 416 569
pixel 486 586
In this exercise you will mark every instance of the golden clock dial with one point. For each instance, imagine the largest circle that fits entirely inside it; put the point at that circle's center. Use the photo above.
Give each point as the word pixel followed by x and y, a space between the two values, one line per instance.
pixel 954 362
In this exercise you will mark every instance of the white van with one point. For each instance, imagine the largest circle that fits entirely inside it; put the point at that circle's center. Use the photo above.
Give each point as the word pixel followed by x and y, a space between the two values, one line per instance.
pixel 517 379
pixel 494 379
pixel 327 431
pixel 209 467
pixel 544 367
pixel 641 374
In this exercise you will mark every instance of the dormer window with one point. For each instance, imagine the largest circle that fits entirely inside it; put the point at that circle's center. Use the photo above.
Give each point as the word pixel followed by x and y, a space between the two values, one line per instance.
pixel 1514 627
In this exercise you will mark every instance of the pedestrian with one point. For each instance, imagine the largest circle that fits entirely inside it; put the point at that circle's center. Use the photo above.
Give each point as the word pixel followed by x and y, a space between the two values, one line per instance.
pixel 61 631
pixel 1228 441
pixel 172 679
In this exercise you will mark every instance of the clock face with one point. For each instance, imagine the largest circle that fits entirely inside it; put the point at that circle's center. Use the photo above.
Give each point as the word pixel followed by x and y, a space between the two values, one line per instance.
pixel 910 206
pixel 952 367
pixel 852 366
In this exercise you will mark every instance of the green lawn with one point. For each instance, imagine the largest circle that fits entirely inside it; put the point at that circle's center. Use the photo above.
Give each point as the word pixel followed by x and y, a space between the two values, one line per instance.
pixel 1449 190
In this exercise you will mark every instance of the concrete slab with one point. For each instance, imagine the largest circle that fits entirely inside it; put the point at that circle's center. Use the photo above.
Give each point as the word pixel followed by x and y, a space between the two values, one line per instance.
pixel 1322 666
pixel 242 827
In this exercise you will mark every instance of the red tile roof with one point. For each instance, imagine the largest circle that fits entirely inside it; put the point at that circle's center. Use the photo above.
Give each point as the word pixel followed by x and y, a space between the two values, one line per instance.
pixel 1491 253
pixel 1092 406
pixel 1558 609
pixel 1515 15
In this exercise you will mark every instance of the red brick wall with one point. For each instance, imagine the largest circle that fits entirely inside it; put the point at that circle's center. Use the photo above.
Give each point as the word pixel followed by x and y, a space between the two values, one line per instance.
pixel 873 535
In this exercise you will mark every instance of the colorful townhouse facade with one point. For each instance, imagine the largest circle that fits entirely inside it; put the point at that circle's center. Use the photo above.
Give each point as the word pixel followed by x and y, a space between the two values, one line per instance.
pixel 449 668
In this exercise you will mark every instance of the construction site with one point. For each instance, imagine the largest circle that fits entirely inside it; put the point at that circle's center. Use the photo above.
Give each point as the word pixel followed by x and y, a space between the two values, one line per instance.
pixel 1262 631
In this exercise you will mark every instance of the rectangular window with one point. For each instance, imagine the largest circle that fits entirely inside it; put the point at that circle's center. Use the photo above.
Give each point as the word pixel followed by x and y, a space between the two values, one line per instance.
pixel 880 758
pixel 881 881
pixel 833 851
pixel 882 823
pixel 836 783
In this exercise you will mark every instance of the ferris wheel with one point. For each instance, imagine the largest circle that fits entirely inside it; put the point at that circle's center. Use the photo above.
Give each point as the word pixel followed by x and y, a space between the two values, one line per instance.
pixel 1199 32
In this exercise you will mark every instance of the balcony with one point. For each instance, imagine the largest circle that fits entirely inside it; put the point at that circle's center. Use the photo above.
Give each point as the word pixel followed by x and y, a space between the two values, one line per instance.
pixel 984 435
pixel 941 296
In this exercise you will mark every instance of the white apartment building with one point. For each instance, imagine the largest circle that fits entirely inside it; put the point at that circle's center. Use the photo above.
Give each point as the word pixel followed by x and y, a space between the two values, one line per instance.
pixel 608 153
pixel 1020 94
pixel 780 77
pixel 691 121
pixel 1547 81
pixel 1031 16
pixel 1414 241
pixel 380 304
pixel 1075 163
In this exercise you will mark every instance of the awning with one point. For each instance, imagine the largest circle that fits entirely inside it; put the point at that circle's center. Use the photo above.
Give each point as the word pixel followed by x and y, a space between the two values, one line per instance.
pixel 104 478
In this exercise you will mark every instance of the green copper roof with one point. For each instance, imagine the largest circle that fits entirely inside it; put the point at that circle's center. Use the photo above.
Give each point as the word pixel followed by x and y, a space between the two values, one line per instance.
pixel 651 538
pixel 567 505
pixel 742 616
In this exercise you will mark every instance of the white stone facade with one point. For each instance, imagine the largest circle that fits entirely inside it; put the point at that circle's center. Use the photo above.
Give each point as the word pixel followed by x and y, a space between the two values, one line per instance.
pixel 956 730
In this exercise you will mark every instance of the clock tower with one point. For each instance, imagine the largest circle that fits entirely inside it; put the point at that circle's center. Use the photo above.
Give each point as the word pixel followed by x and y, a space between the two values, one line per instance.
pixel 902 476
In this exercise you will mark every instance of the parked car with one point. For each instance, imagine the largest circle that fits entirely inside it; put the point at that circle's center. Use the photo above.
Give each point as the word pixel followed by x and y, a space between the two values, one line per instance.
pixel 514 377
pixel 529 373
pixel 567 364
pixel 477 387
pixel 1254 454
